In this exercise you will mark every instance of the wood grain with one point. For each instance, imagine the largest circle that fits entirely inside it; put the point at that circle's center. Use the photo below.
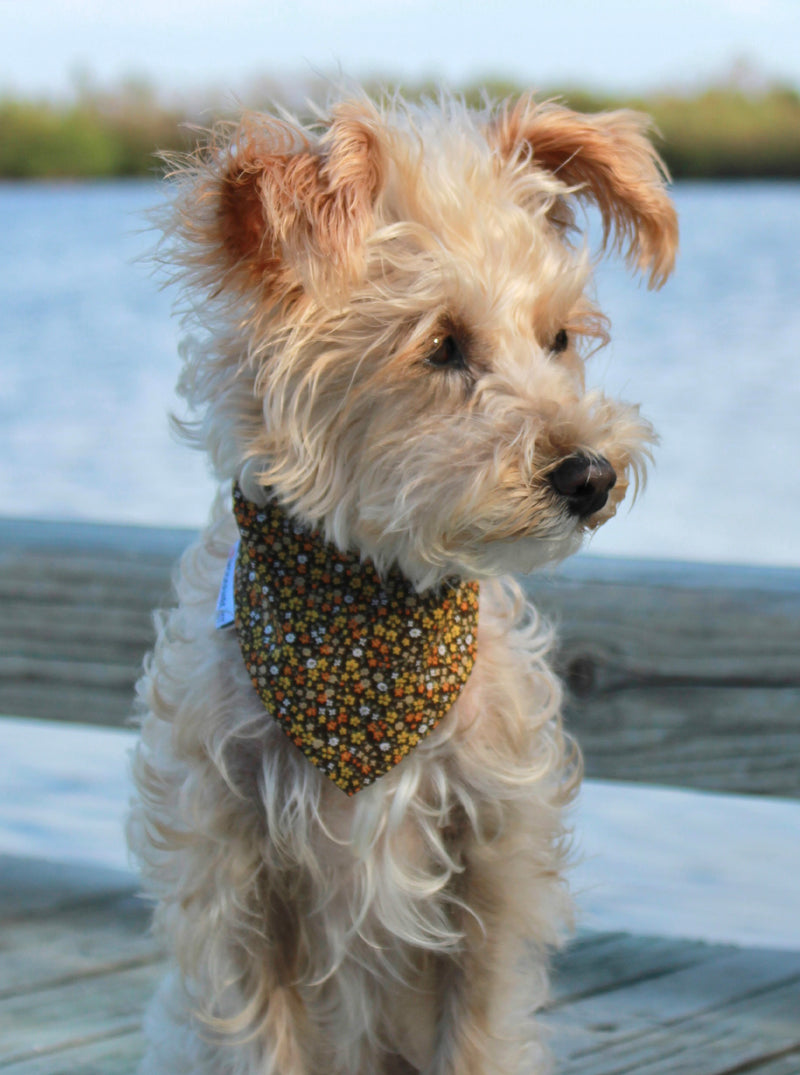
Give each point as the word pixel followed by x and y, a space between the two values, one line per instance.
pixel 118 1054
pixel 678 674
pixel 77 968
pixel 681 674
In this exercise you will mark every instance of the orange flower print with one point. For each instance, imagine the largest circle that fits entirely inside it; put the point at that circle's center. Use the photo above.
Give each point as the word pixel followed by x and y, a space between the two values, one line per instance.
pixel 356 668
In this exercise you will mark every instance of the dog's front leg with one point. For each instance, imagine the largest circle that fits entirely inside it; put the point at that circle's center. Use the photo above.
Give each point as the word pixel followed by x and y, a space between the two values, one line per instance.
pixel 487 993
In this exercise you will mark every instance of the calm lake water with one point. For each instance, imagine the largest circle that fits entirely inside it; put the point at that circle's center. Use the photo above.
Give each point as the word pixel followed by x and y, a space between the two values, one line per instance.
pixel 88 360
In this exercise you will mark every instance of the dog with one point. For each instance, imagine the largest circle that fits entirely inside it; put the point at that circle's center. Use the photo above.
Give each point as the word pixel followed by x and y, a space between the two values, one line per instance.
pixel 352 776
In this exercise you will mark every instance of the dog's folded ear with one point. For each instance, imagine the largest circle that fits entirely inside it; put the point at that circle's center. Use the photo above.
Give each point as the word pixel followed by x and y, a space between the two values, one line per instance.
pixel 605 158
pixel 290 210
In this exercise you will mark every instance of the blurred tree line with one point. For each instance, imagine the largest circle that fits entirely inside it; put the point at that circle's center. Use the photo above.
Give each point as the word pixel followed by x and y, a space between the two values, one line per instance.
pixel 730 130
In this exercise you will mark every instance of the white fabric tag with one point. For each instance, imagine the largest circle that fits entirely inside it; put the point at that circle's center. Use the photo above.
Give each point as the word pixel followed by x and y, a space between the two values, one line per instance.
pixel 226 606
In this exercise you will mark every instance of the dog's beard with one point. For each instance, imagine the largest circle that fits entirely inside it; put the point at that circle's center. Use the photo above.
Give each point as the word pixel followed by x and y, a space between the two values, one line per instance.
pixel 478 549
pixel 523 555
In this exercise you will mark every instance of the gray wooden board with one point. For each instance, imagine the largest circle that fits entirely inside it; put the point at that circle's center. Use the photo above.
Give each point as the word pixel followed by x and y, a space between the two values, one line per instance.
pixel 74 626
pixel 734 1009
pixel 30 886
pixel 787 1064
pixel 77 967
pixel 91 938
pixel 115 1055
pixel 597 963
pixel 681 674
pixel 690 679
pixel 84 1010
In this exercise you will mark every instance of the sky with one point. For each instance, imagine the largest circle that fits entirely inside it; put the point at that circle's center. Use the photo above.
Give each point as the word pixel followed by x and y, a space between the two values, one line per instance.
pixel 185 45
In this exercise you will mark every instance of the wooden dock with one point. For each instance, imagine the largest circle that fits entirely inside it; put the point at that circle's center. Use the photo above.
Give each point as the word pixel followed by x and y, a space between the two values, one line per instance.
pixel 77 967
pixel 678 674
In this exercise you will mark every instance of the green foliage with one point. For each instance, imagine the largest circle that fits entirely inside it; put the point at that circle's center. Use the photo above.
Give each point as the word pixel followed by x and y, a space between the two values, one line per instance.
pixel 725 133
pixel 718 133
pixel 37 141
pixel 112 136
pixel 721 132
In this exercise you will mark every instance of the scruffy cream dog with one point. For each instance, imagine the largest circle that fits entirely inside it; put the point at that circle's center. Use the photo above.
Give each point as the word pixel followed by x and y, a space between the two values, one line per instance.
pixel 351 792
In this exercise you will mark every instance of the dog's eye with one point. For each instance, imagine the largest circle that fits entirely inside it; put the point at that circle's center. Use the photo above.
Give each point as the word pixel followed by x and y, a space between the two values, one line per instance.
pixel 446 354
pixel 560 342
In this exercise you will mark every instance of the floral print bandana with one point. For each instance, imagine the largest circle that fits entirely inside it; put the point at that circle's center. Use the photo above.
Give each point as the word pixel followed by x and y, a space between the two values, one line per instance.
pixel 357 669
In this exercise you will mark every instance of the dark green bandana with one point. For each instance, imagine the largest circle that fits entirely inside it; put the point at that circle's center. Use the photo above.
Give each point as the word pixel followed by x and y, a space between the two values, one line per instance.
pixel 356 669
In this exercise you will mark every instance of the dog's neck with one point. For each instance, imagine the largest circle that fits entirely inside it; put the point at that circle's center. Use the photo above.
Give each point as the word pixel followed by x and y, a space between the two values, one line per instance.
pixel 356 668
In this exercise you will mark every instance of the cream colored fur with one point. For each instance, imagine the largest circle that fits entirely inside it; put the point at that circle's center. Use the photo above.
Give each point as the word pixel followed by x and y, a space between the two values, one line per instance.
pixel 405 929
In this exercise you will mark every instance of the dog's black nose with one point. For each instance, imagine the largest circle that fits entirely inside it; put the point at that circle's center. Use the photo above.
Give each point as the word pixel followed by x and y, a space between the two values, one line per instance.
pixel 584 481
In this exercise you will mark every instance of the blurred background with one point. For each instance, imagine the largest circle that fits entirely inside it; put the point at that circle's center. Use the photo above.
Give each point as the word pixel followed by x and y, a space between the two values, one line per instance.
pixel 88 348
pixel 88 351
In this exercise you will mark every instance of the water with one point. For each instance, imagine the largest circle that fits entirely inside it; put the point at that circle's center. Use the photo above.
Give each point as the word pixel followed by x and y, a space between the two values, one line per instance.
pixel 87 367
pixel 88 360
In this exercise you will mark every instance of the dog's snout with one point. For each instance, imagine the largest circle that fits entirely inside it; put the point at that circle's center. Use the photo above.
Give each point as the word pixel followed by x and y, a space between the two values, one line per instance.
pixel 585 482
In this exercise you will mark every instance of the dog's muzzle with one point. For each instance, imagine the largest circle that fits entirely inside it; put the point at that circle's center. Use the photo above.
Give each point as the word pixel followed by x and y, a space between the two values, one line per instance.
pixel 584 482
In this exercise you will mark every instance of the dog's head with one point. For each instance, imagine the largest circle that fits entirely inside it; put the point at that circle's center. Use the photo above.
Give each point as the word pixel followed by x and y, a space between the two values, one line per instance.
pixel 394 319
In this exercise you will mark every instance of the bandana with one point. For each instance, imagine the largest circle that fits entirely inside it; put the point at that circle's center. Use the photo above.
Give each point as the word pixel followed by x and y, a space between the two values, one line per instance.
pixel 357 669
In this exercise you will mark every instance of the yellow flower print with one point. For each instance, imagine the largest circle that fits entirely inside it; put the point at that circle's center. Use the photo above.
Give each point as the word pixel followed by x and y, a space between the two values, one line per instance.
pixel 369 664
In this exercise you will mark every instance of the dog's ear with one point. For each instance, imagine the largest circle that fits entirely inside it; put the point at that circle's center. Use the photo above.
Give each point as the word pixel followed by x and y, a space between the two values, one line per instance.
pixel 295 211
pixel 609 160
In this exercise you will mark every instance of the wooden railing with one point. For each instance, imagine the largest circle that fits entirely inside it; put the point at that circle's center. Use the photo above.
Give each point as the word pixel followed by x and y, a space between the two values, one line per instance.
pixel 677 673
pixel 681 673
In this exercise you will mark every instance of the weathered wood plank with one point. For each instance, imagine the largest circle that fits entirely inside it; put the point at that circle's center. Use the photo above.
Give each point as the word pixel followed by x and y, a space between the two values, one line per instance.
pixel 77 942
pixel 729 976
pixel 734 1039
pixel 787 1064
pixel 82 704
pixel 718 1017
pixel 77 968
pixel 60 922
pixel 705 629
pixel 599 963
pixel 712 738
pixel 677 673
pixel 117 1055
pixel 86 539
pixel 681 673
pixel 35 888
pixel 76 615
pixel 76 1012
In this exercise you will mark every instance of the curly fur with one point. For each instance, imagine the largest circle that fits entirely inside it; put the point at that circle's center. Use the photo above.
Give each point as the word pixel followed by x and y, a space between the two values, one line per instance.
pixel 405 929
